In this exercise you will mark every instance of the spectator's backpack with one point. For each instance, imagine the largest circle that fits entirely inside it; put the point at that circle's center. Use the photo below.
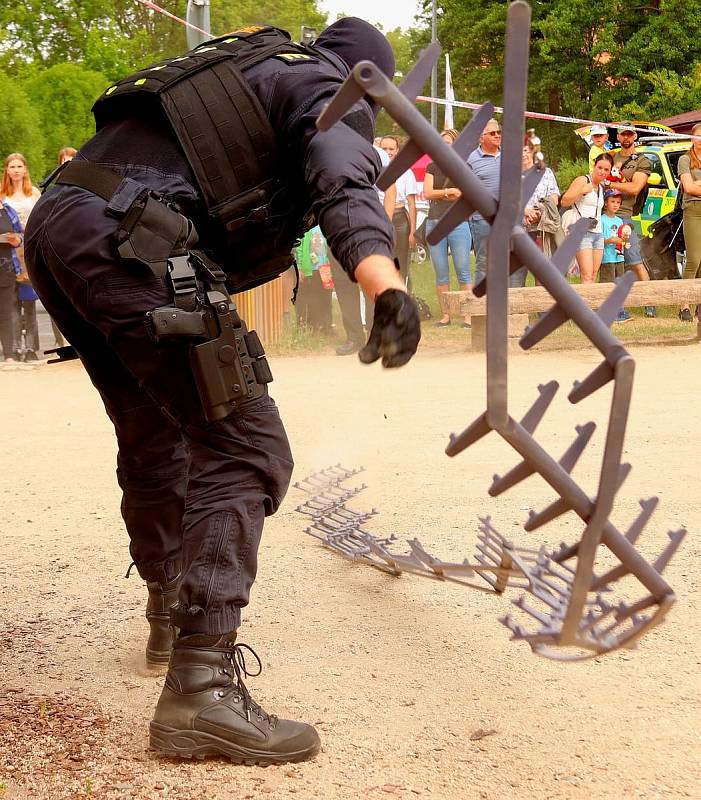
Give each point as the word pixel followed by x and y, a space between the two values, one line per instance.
pixel 252 221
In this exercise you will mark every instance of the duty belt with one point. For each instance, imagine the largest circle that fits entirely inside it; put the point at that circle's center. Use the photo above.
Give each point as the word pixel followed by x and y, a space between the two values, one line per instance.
pixel 228 362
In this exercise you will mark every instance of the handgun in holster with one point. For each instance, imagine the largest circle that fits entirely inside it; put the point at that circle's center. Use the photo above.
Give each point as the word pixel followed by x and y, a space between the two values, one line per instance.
pixel 229 365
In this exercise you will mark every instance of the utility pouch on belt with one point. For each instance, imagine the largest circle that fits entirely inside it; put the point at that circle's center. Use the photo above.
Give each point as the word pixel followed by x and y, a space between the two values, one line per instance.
pixel 229 365
pixel 148 232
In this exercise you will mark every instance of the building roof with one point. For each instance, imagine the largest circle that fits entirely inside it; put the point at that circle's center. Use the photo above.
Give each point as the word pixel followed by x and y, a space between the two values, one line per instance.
pixel 682 123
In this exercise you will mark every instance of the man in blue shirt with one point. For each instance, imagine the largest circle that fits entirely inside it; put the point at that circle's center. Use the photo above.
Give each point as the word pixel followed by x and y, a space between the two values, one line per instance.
pixel 485 162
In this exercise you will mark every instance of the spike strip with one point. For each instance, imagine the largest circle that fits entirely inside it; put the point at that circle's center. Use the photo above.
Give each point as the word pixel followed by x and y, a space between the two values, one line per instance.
pixel 572 619
pixel 340 529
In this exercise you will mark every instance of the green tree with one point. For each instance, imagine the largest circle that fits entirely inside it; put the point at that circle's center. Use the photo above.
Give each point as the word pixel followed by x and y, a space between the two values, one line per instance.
pixel 585 61
pixel 19 126
pixel 116 37
pixel 289 15
pixel 63 96
pixel 42 34
pixel 663 94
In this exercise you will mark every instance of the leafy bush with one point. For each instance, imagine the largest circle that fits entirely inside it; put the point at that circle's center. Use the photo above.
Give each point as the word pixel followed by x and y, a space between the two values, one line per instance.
pixel 567 170
pixel 20 130
pixel 63 95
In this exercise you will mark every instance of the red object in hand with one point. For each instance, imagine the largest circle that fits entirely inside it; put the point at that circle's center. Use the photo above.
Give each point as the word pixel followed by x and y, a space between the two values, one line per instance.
pixel 325 275
pixel 624 232
pixel 616 176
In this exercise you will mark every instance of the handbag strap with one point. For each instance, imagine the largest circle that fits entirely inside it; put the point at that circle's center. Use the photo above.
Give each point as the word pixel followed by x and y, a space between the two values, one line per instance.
pixel 599 190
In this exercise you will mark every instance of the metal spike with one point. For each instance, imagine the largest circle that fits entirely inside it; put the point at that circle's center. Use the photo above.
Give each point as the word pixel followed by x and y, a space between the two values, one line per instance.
pixel 530 182
pixel 566 252
pixel 614 302
pixel 458 212
pixel 546 393
pixel 600 376
pixel 548 514
pixel 480 288
pixel 409 154
pixel 341 103
pixel 466 142
pixel 575 450
pixel 479 428
pixel 469 136
pixel 675 539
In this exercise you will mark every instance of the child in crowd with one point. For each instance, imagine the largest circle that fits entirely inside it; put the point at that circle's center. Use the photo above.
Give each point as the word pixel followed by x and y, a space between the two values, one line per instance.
pixel 612 262
pixel 313 304
pixel 598 135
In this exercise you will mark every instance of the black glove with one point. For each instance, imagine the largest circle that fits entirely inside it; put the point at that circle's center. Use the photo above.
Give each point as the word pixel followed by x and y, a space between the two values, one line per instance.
pixel 396 330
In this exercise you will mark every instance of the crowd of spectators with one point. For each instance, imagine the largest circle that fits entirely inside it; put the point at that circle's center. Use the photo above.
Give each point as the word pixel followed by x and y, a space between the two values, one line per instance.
pixel 609 195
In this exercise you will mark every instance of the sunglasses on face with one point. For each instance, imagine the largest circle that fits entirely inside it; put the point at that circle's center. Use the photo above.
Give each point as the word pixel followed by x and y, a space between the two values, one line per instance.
pixel 493 133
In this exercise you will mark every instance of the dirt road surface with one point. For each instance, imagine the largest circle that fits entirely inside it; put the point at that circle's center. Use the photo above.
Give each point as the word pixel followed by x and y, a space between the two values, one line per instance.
pixel 414 685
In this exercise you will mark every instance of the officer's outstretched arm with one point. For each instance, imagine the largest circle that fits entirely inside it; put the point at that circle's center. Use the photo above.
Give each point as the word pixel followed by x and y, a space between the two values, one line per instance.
pixel 396 329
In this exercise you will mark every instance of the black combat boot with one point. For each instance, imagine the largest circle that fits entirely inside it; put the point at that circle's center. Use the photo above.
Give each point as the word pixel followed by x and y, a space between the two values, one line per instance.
pixel 161 598
pixel 205 709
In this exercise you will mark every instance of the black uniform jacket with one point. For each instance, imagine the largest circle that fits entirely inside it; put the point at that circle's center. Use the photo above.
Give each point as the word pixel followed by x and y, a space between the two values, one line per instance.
pixel 330 174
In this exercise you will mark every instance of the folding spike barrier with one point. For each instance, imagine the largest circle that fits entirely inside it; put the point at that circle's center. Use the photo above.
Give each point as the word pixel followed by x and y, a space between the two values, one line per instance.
pixel 340 529
pixel 572 608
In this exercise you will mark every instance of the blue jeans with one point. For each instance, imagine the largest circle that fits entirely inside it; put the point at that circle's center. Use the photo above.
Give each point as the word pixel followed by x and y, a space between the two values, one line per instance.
pixel 480 236
pixel 480 229
pixel 459 241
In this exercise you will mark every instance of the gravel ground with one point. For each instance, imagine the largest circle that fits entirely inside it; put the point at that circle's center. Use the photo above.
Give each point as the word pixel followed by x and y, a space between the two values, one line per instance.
pixel 413 685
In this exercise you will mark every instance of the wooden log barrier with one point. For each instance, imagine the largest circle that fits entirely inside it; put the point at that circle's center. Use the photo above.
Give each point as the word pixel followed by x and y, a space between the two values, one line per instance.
pixel 531 299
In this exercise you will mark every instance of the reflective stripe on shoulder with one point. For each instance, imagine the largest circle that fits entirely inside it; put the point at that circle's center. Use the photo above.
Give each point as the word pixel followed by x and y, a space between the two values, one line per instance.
pixel 296 58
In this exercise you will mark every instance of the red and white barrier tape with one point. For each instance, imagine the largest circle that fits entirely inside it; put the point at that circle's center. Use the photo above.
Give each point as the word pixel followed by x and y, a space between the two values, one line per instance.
pixel 650 129
pixel 184 22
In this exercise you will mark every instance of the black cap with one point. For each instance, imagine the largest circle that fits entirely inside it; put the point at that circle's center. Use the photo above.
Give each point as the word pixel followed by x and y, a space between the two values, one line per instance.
pixel 355 40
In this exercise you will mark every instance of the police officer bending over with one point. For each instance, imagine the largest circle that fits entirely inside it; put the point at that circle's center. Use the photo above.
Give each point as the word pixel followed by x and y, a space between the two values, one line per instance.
pixel 204 171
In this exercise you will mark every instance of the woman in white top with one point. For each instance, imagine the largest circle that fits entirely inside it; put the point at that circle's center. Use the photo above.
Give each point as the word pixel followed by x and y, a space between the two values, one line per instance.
pixel 17 190
pixel 586 196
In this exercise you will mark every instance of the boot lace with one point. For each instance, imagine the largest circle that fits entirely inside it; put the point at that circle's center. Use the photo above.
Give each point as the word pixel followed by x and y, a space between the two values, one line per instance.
pixel 237 658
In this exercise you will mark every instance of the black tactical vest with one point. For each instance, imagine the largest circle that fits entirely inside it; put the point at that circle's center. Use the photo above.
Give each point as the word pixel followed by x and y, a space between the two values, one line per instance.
pixel 251 223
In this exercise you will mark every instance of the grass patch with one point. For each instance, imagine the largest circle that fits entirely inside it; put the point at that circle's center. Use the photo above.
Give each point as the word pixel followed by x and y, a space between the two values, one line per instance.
pixel 299 340
pixel 663 328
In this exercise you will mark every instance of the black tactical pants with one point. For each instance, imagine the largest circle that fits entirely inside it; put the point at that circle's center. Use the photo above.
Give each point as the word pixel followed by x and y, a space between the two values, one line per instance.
pixel 195 493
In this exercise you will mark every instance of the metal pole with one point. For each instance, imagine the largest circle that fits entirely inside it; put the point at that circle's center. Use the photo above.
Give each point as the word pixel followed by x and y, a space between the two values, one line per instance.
pixel 434 71
pixel 197 14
